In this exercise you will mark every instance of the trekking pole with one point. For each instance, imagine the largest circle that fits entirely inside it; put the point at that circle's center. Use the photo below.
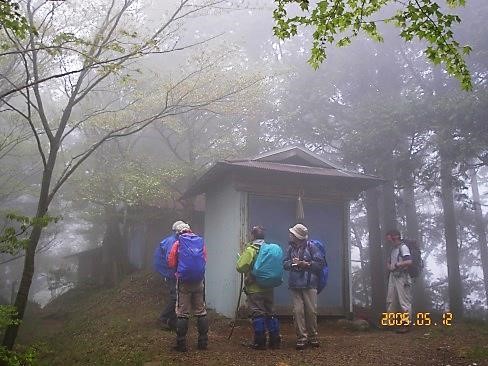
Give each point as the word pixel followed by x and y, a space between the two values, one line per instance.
pixel 237 307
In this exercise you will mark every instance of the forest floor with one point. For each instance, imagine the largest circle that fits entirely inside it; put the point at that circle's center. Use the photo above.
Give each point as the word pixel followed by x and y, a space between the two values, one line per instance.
pixel 119 327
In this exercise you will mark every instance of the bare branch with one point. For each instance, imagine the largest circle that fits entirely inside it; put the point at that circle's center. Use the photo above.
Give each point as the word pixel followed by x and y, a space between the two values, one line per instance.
pixel 35 69
pixel 99 112
pixel 172 147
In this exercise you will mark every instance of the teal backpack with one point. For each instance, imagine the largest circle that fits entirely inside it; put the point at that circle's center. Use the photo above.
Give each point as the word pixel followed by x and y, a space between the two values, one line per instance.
pixel 268 266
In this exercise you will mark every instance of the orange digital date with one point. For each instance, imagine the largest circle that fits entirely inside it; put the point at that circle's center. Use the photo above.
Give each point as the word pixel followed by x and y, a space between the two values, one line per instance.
pixel 419 319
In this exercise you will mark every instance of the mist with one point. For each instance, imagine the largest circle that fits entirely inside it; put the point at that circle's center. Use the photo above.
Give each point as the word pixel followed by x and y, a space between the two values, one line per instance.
pixel 112 112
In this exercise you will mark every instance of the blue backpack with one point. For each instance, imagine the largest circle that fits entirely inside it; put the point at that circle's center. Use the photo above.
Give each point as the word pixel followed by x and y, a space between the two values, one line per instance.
pixel 324 274
pixel 160 258
pixel 268 266
pixel 191 258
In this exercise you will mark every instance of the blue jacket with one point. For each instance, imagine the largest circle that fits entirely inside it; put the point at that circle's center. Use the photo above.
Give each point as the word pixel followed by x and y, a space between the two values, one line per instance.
pixel 303 278
pixel 160 258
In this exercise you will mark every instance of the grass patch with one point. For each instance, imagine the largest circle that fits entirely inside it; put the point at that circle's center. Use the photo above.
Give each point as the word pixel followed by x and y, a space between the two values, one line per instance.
pixel 477 353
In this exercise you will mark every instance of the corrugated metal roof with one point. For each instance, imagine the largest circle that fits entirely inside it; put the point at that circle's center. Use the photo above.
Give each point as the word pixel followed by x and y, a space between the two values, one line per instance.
pixel 282 155
pixel 284 165
pixel 299 169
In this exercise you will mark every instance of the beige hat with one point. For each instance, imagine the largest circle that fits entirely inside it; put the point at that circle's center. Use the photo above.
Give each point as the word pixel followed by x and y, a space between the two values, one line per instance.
pixel 182 227
pixel 176 224
pixel 300 231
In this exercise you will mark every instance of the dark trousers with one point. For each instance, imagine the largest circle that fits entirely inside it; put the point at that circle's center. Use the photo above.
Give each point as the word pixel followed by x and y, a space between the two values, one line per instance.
pixel 168 314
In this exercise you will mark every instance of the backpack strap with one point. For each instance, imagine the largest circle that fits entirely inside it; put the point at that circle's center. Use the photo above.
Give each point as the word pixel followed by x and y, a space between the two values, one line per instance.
pixel 311 257
pixel 257 247
pixel 400 254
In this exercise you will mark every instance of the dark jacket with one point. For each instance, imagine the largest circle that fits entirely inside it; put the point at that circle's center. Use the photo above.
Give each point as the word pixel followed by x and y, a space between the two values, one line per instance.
pixel 304 278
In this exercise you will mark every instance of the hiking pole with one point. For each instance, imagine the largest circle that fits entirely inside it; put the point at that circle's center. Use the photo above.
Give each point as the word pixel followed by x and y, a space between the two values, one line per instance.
pixel 237 307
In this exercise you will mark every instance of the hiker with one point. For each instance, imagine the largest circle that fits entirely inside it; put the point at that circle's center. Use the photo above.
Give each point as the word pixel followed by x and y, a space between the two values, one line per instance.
pixel 259 298
pixel 188 256
pixel 399 297
pixel 305 263
pixel 168 315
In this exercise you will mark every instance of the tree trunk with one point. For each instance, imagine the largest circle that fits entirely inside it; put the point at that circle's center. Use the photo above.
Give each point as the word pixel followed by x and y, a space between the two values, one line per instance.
pixel 450 230
pixel 421 301
pixel 377 264
pixel 362 262
pixel 13 289
pixel 252 136
pixel 389 217
pixel 30 252
pixel 480 230
pixel 114 257
pixel 189 203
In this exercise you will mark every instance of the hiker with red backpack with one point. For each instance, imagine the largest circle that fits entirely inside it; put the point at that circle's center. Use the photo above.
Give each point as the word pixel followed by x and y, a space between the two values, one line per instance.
pixel 404 263
pixel 306 263
pixel 188 256
pixel 261 262
pixel 168 315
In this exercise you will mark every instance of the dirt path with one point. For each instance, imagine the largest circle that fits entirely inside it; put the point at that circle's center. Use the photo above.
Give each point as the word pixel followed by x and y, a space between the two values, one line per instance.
pixel 343 347
pixel 118 327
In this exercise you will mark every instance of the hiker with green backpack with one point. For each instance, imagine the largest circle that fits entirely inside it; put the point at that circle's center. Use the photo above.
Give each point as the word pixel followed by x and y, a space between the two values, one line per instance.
pixel 306 263
pixel 261 262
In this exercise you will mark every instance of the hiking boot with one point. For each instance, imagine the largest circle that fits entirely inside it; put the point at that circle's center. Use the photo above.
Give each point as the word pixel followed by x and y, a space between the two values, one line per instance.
pixel 253 345
pixel 168 325
pixel 274 341
pixel 202 326
pixel 180 346
pixel 163 324
pixel 300 345
pixel 172 324
pixel 314 343
pixel 181 330
pixel 257 346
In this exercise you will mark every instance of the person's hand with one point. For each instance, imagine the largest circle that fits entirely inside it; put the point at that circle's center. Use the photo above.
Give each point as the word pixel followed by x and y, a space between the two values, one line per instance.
pixel 303 264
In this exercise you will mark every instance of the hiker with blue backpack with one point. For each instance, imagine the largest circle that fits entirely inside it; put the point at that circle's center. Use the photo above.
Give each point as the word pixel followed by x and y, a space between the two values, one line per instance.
pixel 261 262
pixel 188 256
pixel 168 315
pixel 306 262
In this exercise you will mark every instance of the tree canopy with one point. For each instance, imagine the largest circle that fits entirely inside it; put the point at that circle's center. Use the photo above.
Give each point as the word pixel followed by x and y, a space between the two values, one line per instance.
pixel 337 22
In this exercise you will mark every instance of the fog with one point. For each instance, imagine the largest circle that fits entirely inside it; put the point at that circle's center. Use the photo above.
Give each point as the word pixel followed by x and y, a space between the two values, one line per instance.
pixel 129 103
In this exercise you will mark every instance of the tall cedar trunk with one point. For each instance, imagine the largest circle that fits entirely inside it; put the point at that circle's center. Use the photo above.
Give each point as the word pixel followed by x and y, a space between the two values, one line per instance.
pixel 189 203
pixel 480 230
pixel 421 301
pixel 252 138
pixel 114 258
pixel 450 232
pixel 30 252
pixel 389 217
pixel 377 264
pixel 362 262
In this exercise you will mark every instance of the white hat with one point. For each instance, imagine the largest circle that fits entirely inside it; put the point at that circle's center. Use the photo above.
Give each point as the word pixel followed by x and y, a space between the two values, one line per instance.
pixel 176 224
pixel 182 227
pixel 300 231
